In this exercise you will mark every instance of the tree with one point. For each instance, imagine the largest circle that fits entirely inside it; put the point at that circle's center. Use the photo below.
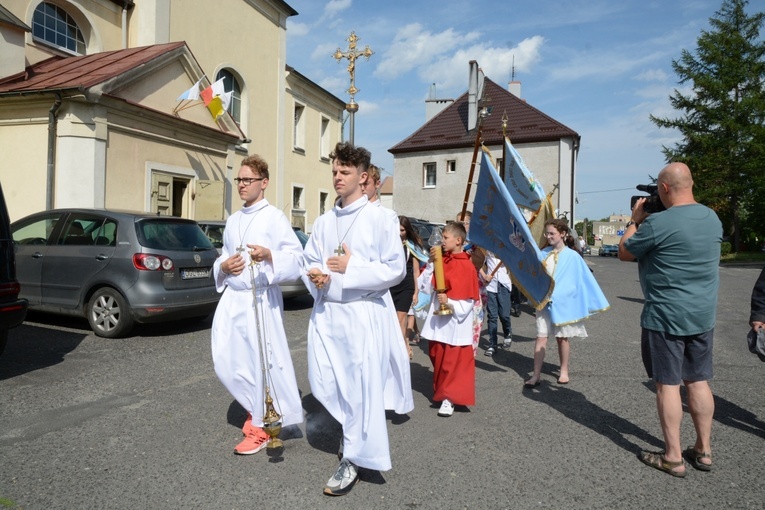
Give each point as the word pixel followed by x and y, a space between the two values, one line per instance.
pixel 723 118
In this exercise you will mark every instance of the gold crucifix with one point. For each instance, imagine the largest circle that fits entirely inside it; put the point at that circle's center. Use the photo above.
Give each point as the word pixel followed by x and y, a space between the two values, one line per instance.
pixel 352 54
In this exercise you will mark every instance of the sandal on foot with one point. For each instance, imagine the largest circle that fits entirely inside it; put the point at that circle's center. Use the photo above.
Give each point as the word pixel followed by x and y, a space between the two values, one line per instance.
pixel 693 456
pixel 657 461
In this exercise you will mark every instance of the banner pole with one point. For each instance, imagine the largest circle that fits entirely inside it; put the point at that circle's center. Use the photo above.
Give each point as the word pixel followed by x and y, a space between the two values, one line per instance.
pixel 472 170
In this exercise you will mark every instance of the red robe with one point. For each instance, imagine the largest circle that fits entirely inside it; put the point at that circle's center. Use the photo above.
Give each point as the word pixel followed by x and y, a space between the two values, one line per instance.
pixel 454 366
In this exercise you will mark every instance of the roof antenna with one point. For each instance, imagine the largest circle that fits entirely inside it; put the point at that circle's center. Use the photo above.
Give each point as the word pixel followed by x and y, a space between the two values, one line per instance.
pixel 512 73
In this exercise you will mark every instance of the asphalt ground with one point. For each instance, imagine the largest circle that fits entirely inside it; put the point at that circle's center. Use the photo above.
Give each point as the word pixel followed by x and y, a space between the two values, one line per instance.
pixel 142 422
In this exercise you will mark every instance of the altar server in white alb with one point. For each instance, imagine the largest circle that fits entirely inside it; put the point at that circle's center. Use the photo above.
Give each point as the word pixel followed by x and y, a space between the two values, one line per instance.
pixel 260 250
pixel 353 257
pixel 398 386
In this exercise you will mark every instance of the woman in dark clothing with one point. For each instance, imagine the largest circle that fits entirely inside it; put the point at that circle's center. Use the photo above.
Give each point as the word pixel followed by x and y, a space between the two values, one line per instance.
pixel 404 294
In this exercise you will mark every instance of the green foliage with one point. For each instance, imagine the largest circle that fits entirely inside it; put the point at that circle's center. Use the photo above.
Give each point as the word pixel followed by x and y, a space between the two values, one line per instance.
pixel 590 237
pixel 722 120
pixel 724 248
pixel 744 256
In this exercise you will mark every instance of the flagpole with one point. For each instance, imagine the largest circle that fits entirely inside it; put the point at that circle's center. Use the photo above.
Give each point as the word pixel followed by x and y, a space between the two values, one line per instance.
pixel 472 170
pixel 548 197
pixel 504 146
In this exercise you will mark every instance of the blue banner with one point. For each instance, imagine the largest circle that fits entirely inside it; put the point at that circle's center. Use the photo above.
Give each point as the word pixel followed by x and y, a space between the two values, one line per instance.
pixel 499 226
pixel 520 182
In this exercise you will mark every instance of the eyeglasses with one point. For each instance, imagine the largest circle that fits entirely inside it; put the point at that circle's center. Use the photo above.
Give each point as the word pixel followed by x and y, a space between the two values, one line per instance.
pixel 550 234
pixel 247 180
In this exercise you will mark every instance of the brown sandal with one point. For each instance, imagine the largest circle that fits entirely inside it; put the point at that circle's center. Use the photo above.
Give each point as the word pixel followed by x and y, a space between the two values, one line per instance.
pixel 657 461
pixel 692 455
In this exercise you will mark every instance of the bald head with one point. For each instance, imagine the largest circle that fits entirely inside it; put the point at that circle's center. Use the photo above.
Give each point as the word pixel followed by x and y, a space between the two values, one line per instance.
pixel 679 184
pixel 677 176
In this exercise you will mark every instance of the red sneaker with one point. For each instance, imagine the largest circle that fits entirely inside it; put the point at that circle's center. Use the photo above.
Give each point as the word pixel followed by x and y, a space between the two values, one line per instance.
pixel 253 442
pixel 248 426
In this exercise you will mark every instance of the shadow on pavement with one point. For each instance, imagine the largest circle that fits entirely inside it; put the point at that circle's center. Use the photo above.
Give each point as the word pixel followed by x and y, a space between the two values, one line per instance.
pixel 632 299
pixel 303 302
pixel 32 347
pixel 325 434
pixel 322 431
pixel 726 413
pixel 575 406
pixel 524 365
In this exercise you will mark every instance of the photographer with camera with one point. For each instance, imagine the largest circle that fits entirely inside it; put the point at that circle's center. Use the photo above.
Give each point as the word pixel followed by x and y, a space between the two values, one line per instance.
pixel 678 253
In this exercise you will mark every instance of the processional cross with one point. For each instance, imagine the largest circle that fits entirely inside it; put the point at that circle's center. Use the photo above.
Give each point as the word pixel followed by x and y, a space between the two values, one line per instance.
pixel 352 54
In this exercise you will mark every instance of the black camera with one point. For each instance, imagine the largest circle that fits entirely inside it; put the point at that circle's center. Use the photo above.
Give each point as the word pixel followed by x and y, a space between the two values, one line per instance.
pixel 652 202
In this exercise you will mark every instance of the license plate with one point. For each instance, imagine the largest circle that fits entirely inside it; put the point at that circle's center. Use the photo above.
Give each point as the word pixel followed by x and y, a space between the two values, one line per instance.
pixel 189 274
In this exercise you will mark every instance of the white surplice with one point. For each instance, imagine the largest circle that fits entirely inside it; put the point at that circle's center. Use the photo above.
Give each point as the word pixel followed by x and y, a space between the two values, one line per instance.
pixel 236 350
pixel 349 354
pixel 398 384
pixel 455 329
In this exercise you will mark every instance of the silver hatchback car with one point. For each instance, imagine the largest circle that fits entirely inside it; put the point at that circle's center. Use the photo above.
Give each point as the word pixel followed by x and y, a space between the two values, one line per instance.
pixel 114 267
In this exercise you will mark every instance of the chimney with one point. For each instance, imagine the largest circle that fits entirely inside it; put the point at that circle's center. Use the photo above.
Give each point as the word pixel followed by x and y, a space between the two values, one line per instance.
pixel 12 45
pixel 435 106
pixel 514 87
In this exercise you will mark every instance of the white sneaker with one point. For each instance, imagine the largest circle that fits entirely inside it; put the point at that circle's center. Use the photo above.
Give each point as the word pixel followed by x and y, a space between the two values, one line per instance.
pixel 343 480
pixel 508 342
pixel 447 409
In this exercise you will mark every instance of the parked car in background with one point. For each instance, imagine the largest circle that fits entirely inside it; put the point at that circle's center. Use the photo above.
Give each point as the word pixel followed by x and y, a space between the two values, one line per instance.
pixel 12 308
pixel 296 288
pixel 608 250
pixel 214 229
pixel 115 268
pixel 424 228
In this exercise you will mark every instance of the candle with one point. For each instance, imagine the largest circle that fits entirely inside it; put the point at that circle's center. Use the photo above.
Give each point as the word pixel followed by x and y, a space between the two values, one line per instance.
pixel 438 268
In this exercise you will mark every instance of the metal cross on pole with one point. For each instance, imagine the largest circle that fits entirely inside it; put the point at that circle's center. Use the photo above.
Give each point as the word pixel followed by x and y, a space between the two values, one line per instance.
pixel 352 54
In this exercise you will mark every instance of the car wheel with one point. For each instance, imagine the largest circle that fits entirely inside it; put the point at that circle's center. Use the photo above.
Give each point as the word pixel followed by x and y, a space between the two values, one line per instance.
pixel 108 313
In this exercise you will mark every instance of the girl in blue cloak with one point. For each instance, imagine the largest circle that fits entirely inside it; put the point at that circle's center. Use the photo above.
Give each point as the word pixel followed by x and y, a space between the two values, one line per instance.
pixel 575 297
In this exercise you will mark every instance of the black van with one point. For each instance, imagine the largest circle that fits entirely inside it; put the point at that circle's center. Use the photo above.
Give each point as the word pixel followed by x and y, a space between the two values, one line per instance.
pixel 12 309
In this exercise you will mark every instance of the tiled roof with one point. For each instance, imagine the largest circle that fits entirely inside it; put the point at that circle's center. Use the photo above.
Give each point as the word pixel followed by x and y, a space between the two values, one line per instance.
pixel 448 129
pixel 66 73
pixel 386 188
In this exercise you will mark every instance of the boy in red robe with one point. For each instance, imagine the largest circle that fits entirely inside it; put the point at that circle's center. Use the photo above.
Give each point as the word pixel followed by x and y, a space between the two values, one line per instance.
pixel 451 336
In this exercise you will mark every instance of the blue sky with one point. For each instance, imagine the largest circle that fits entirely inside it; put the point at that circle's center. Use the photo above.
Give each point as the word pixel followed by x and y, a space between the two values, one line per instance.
pixel 599 67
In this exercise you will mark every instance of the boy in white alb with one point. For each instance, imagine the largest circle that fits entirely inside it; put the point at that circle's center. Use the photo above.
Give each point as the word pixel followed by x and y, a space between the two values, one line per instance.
pixel 258 234
pixel 352 258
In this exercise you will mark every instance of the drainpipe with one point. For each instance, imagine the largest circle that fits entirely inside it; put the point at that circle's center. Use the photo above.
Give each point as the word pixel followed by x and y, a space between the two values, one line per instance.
pixel 124 24
pixel 574 151
pixel 52 124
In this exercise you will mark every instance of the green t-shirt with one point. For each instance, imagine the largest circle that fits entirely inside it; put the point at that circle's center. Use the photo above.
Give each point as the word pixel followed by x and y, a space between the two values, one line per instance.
pixel 678 252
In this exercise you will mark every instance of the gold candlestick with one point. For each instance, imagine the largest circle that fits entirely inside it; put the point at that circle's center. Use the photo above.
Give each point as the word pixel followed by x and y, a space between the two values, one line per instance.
pixel 438 269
